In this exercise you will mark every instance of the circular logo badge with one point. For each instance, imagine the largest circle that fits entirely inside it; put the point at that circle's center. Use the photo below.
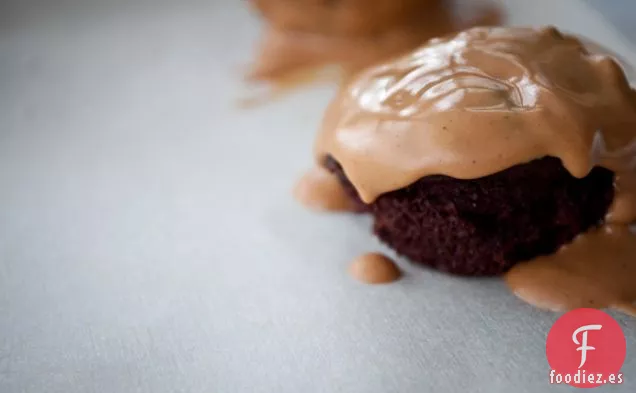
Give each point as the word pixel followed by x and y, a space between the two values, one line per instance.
pixel 586 348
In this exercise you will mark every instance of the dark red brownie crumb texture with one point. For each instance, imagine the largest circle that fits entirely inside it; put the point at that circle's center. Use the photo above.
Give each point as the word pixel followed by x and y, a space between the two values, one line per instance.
pixel 482 227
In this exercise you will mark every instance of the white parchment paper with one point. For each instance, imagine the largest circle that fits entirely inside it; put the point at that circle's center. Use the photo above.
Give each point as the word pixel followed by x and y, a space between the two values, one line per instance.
pixel 149 241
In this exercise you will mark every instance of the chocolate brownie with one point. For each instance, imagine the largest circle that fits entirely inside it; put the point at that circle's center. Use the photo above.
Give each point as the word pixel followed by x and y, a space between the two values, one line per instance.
pixel 484 226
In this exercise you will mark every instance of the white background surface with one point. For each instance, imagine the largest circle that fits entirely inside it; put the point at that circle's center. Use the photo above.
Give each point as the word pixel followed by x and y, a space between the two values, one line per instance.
pixel 149 241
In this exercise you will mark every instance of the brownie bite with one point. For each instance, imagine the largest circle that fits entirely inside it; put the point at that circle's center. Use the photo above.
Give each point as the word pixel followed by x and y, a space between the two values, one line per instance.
pixel 351 34
pixel 483 149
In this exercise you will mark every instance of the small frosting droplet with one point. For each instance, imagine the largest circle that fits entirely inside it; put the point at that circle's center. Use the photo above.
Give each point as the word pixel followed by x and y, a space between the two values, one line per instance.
pixel 319 189
pixel 375 268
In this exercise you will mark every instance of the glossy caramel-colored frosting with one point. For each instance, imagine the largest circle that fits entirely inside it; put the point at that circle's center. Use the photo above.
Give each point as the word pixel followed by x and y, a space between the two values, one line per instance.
pixel 353 34
pixel 480 102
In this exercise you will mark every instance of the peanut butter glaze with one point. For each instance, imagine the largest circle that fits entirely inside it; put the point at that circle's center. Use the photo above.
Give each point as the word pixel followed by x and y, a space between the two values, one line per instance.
pixel 351 33
pixel 480 102
pixel 597 270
